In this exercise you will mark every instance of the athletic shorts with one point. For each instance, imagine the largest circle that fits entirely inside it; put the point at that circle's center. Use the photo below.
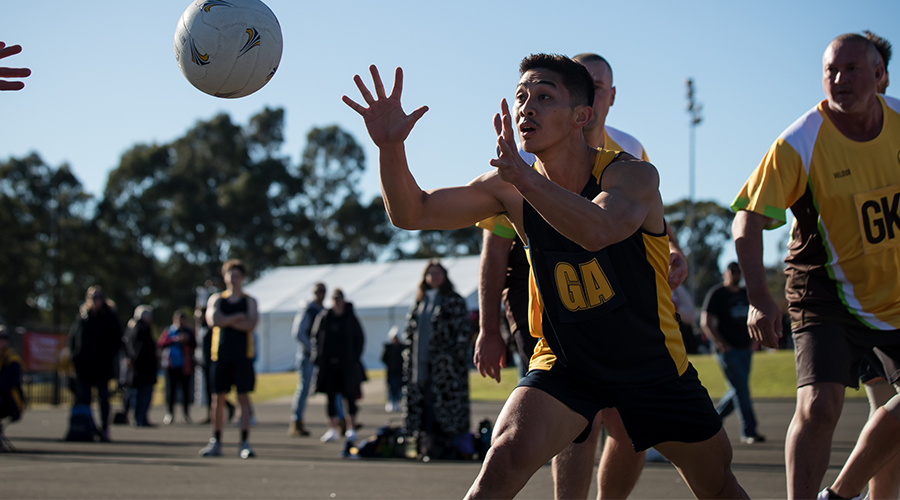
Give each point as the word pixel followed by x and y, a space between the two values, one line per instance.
pixel 833 352
pixel 870 368
pixel 232 372
pixel 676 410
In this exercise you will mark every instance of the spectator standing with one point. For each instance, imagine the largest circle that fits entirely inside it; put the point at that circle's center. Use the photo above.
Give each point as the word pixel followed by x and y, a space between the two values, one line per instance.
pixel 94 341
pixel 337 349
pixel 140 348
pixel 392 357
pixel 302 327
pixel 233 316
pixel 178 343
pixel 436 366
pixel 724 320
pixel 12 402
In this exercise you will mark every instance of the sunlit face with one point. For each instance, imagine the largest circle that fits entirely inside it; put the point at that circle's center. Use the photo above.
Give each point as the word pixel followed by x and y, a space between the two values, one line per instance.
pixel 604 92
pixel 849 77
pixel 542 111
pixel 435 276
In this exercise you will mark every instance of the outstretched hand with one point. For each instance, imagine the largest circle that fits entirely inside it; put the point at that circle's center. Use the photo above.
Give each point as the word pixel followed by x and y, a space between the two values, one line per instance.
pixel 509 163
pixel 385 119
pixel 11 72
pixel 490 354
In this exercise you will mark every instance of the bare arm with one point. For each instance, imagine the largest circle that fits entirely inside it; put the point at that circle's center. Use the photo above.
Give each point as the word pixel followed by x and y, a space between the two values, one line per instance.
pixel 764 317
pixel 246 321
pixel 710 325
pixel 407 205
pixel 678 268
pixel 490 349
pixel 630 198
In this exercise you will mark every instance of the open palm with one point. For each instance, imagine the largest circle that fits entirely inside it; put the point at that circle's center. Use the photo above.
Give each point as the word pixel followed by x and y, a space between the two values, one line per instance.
pixel 385 119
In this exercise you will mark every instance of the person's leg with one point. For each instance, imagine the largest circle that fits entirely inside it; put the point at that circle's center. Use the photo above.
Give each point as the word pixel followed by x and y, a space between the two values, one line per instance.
pixel 808 442
pixel 207 389
pixel 740 380
pixel 705 466
pixel 523 442
pixel 351 418
pixel 573 467
pixel 103 398
pixel 184 382
pixel 171 388
pixel 620 466
pixel 218 410
pixel 878 445
pixel 886 482
pixel 725 405
pixel 244 401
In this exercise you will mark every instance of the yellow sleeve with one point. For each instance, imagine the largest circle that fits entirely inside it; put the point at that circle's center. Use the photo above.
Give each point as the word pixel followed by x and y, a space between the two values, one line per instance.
pixel 498 225
pixel 776 184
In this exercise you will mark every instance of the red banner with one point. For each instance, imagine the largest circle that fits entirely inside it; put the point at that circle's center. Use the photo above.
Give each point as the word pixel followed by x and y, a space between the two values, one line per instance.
pixel 40 351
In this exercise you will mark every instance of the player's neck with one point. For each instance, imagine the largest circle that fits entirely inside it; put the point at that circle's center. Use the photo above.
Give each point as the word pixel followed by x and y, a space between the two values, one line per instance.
pixel 859 127
pixel 595 137
pixel 234 292
pixel 559 165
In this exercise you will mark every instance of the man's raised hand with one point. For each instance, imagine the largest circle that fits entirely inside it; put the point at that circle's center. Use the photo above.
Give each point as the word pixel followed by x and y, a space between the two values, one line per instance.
pixel 508 162
pixel 385 119
pixel 11 72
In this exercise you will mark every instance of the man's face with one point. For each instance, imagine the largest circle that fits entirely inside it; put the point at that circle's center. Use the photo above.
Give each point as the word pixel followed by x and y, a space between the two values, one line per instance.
pixel 604 92
pixel 234 277
pixel 849 77
pixel 542 113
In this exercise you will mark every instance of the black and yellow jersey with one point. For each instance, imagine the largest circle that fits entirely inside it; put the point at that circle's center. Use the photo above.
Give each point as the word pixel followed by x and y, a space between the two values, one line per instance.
pixel 229 343
pixel 606 315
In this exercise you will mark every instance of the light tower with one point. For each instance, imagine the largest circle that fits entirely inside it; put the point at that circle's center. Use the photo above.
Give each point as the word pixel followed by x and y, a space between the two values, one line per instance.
pixel 693 108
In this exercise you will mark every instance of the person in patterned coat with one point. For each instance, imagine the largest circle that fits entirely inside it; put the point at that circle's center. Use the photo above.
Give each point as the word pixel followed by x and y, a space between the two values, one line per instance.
pixel 439 332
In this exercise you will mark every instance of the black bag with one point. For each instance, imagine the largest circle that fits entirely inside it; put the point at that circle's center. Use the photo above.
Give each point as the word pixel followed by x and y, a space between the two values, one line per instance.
pixel 81 424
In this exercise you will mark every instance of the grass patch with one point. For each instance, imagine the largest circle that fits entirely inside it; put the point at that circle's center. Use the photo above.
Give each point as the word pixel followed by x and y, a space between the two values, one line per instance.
pixel 773 377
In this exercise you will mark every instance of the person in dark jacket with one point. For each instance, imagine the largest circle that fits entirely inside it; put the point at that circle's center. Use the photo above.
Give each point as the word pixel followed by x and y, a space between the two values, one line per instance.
pixel 94 341
pixel 140 347
pixel 338 346
pixel 392 357
pixel 12 402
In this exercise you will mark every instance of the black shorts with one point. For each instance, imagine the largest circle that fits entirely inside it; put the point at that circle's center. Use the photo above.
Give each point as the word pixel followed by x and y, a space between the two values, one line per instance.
pixel 676 410
pixel 232 372
pixel 834 352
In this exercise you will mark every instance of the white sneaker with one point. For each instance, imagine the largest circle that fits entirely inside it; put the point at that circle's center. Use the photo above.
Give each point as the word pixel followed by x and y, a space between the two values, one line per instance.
pixel 213 449
pixel 350 435
pixel 330 435
pixel 825 495
pixel 389 407
pixel 246 450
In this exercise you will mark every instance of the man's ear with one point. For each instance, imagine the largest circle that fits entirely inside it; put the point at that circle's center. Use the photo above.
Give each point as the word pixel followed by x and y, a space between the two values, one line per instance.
pixel 583 115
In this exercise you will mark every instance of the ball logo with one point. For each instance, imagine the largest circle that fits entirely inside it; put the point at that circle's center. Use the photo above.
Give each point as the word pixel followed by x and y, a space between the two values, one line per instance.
pixel 214 3
pixel 272 73
pixel 253 40
pixel 197 57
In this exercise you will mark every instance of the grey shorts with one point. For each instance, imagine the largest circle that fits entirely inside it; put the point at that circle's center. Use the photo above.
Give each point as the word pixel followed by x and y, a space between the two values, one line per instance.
pixel 834 352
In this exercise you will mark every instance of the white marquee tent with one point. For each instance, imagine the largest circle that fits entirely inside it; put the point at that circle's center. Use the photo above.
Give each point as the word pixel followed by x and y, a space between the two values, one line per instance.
pixel 381 294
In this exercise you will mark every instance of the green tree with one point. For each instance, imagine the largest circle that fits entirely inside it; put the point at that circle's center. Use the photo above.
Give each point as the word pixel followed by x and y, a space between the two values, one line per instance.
pixel 712 232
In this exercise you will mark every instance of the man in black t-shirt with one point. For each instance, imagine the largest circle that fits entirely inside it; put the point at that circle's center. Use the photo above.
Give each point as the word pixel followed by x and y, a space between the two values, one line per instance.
pixel 724 320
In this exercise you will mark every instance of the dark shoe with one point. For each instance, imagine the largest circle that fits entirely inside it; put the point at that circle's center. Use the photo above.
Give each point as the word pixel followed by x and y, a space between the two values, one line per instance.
pixel 104 437
pixel 756 438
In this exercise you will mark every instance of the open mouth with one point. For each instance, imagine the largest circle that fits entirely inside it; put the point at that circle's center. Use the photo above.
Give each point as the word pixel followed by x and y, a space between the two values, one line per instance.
pixel 526 128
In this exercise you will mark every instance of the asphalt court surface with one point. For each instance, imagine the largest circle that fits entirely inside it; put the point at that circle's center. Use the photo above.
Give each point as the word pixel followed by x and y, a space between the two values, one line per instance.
pixel 162 462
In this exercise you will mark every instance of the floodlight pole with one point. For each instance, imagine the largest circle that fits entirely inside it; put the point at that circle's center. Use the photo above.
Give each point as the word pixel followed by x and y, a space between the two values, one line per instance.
pixel 693 108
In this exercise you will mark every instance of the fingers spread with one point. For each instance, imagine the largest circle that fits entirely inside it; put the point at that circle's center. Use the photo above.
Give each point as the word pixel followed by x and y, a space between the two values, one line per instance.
pixel 350 102
pixel 376 81
pixel 8 51
pixel 4 85
pixel 498 124
pixel 14 72
pixel 363 90
pixel 398 83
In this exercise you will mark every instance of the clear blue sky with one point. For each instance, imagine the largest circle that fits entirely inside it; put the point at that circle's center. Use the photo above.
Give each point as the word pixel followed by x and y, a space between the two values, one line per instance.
pixel 105 78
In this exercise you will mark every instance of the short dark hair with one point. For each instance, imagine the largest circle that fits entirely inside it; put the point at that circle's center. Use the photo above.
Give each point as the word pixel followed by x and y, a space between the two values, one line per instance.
pixel 871 49
pixel 586 57
pixel 575 77
pixel 734 267
pixel 882 45
pixel 234 264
